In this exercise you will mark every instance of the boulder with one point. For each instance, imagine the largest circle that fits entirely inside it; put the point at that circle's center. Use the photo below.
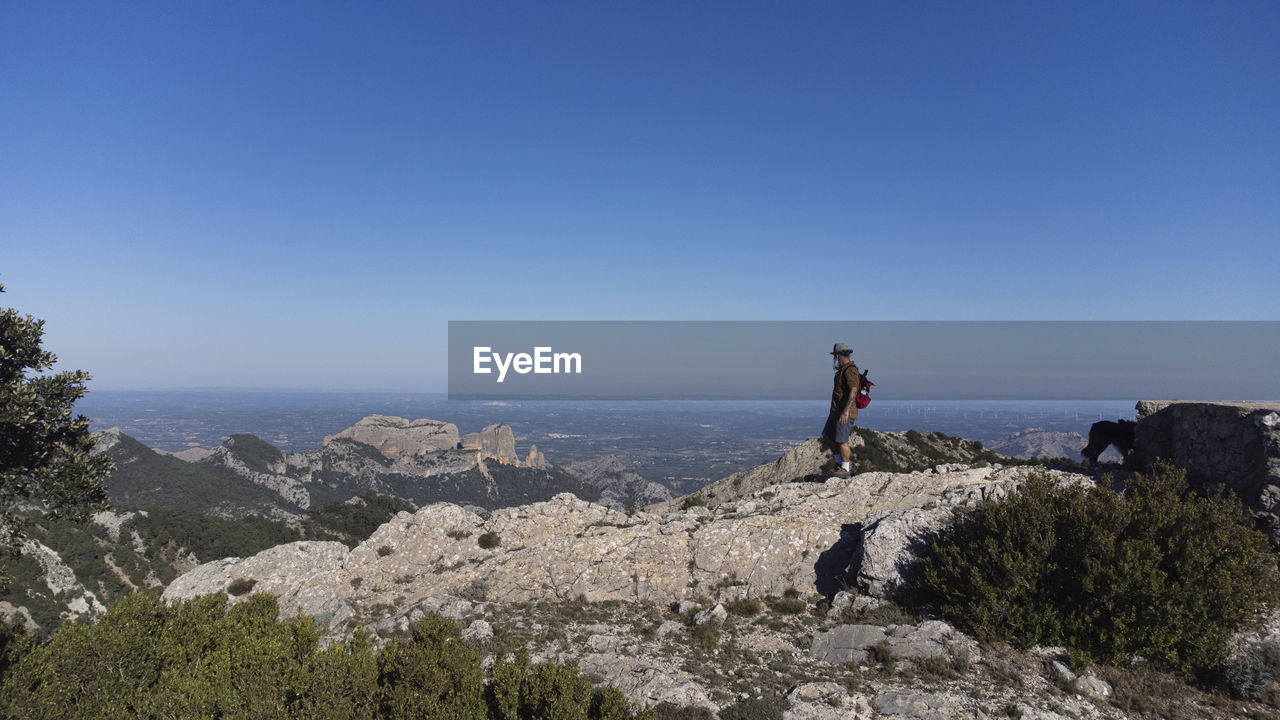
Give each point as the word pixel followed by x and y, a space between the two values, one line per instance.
pixel 715 613
pixel 930 639
pixel 826 701
pixel 1091 686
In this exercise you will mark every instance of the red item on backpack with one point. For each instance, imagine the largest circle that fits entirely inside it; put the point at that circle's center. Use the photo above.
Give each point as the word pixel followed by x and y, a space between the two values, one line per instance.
pixel 863 397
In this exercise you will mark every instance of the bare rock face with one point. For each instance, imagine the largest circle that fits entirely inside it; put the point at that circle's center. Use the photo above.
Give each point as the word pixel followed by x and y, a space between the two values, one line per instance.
pixel 280 571
pixel 535 459
pixel 79 601
pixel 398 438
pixel 930 639
pixel 495 442
pixel 873 451
pixel 646 681
pixel 192 454
pixel 794 535
pixel 104 440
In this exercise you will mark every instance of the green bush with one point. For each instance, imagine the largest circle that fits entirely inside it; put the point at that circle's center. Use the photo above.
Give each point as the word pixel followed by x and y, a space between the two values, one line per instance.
pixel 761 708
pixel 434 674
pixel 353 520
pixel 206 658
pixel 240 586
pixel 548 691
pixel 788 605
pixel 670 711
pixel 609 704
pixel 692 501
pixel 746 607
pixel 707 635
pixel 1159 571
pixel 145 658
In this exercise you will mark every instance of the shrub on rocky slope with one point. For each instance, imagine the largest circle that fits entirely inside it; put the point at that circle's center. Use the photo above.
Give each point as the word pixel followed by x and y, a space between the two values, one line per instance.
pixel 1158 571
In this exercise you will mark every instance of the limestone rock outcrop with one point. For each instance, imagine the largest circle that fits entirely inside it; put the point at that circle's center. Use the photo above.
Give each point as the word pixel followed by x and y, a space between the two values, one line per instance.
pixel 804 462
pixel 61 580
pixel 495 442
pixel 535 459
pixel 790 536
pixel 930 639
pixel 889 541
pixel 396 437
pixel 872 451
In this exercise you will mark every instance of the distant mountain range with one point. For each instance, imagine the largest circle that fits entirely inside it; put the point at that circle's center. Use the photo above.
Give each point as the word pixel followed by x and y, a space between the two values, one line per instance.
pixel 423 461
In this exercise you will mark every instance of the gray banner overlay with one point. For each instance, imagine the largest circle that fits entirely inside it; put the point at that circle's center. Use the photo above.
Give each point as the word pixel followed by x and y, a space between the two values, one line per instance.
pixel 943 360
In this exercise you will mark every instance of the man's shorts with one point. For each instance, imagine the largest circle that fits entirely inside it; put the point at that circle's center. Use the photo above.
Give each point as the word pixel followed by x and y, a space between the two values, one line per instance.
pixel 836 431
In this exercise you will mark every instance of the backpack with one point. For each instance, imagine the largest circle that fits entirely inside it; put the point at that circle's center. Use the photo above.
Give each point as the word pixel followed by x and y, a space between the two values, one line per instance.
pixel 863 398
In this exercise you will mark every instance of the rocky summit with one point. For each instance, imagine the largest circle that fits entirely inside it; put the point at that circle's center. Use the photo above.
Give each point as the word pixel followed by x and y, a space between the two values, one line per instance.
pixel 783 588
pixel 872 450
pixel 397 437
pixel 810 537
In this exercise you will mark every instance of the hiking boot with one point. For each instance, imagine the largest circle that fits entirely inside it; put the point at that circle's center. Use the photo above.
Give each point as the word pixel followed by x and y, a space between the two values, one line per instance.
pixel 841 473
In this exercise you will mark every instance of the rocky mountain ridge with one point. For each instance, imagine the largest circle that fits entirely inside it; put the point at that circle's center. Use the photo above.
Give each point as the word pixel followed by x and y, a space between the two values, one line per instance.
pixel 872 450
pixel 618 482
pixel 245 478
pixel 822 556
pixel 421 460
pixel 812 537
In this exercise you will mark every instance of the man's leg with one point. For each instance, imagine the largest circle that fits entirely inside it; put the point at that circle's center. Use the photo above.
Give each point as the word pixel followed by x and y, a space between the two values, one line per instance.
pixel 830 441
pixel 844 431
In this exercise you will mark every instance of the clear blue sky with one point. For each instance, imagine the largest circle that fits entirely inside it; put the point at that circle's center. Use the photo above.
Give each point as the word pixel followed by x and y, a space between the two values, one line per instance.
pixel 246 194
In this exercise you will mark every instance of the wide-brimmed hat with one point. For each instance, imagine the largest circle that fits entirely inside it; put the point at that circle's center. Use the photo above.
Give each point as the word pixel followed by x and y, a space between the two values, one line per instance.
pixel 841 349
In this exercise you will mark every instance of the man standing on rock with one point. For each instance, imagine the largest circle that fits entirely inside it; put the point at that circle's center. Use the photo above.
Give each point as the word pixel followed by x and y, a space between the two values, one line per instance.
pixel 835 434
